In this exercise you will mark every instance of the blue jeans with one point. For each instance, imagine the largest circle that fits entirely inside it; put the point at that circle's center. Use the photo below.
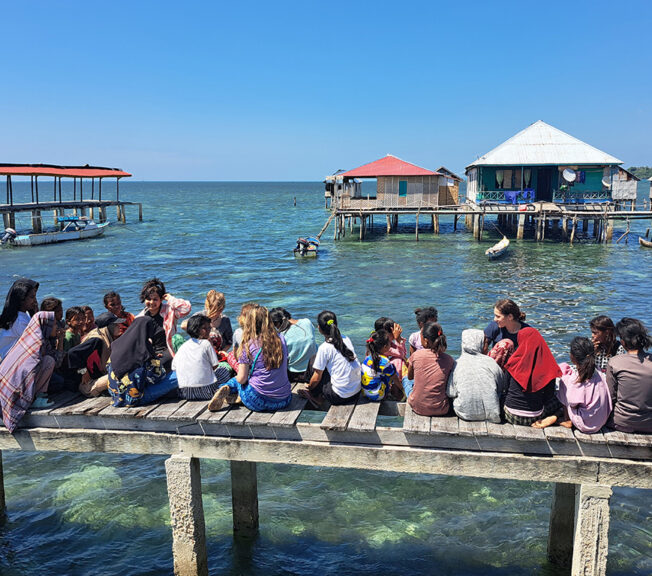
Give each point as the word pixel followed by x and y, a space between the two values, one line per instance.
pixel 164 386
pixel 256 401
pixel 407 385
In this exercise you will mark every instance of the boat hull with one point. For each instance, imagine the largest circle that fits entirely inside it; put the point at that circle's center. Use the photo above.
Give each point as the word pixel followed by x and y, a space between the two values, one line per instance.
pixel 55 237
pixel 644 243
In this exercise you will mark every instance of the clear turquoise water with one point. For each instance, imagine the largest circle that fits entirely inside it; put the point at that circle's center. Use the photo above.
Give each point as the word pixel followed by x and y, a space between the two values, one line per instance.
pixel 107 515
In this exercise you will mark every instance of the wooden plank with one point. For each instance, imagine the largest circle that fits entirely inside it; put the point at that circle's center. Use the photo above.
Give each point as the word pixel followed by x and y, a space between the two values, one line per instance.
pixel 76 407
pixel 592 444
pixel 444 425
pixel 621 445
pixel 472 428
pixel 337 417
pixel 190 410
pixel 236 416
pixel 288 417
pixel 100 404
pixel 257 422
pixel 128 411
pixel 414 423
pixel 561 440
pixel 166 410
pixel 364 416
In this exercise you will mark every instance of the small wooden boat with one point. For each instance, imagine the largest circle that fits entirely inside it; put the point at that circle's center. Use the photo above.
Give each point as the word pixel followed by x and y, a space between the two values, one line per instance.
pixel 74 228
pixel 498 249
pixel 306 247
pixel 644 243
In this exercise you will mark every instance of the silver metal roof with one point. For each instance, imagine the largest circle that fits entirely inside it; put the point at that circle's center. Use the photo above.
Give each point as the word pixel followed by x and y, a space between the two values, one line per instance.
pixel 541 144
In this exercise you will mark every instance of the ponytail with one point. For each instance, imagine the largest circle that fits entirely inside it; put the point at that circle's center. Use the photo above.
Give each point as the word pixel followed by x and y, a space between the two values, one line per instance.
pixel 508 307
pixel 375 343
pixel 633 334
pixel 327 322
pixel 435 336
pixel 583 353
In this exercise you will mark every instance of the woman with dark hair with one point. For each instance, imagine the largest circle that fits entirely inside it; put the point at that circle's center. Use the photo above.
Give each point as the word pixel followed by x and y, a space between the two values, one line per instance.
pixel 20 306
pixel 532 371
pixel 629 377
pixel 429 370
pixel 423 315
pixel 335 369
pixel 136 374
pixel 605 342
pixel 300 339
pixel 165 309
pixel 508 320
pixel 583 390
pixel 25 373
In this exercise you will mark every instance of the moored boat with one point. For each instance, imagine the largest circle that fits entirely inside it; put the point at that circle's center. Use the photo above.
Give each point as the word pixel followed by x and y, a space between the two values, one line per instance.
pixel 644 243
pixel 498 249
pixel 306 247
pixel 74 228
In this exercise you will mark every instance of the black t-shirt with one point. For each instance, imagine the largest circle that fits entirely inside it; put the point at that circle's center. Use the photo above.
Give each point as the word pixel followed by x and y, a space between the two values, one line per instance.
pixel 519 399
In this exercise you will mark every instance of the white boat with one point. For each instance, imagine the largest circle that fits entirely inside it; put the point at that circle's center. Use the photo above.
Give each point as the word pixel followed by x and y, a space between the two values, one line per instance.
pixel 74 228
pixel 498 249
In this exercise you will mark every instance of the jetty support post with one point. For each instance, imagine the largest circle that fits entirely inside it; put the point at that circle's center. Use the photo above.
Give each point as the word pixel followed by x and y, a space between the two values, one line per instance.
pixel 610 231
pixel 435 223
pixel 102 210
pixel 389 224
pixel 521 227
pixel 244 495
pixel 564 227
pixel 590 545
pixel 416 229
pixel 476 226
pixel 140 212
pixel 37 226
pixel 187 516
pixel 562 525
pixel 6 220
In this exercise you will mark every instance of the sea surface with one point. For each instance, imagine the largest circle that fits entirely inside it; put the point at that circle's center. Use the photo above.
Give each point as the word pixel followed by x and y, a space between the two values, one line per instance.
pixel 99 514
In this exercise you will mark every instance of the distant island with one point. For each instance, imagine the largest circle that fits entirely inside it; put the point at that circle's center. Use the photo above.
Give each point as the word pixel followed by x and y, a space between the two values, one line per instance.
pixel 642 172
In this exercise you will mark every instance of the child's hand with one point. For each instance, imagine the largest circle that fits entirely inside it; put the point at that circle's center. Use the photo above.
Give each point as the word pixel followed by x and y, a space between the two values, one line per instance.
pixel 397 331
pixel 166 296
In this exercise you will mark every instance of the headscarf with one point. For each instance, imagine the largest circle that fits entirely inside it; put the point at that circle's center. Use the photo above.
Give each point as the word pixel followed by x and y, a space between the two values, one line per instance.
pixel 17 293
pixel 502 351
pixel 18 369
pixel 532 364
pixel 134 348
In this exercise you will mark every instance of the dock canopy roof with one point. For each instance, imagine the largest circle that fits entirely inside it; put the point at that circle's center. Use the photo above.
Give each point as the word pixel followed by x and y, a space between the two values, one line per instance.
pixel 388 166
pixel 61 171
pixel 541 144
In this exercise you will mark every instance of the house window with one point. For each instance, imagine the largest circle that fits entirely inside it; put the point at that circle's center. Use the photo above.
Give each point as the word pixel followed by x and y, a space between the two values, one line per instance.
pixel 402 188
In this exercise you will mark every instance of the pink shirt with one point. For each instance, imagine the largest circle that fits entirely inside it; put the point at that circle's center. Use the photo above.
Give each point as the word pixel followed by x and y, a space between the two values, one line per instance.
pixel 431 371
pixel 171 310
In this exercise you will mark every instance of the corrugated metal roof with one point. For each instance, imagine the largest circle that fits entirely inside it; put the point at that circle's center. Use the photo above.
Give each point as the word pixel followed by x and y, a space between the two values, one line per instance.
pixel 388 166
pixel 541 144
pixel 63 171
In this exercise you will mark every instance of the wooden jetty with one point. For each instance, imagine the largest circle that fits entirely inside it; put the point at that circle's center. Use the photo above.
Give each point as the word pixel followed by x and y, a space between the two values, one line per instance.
pixel 582 467
pixel 90 206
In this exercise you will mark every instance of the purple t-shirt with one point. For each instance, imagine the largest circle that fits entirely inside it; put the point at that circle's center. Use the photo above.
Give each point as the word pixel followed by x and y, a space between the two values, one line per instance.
pixel 270 383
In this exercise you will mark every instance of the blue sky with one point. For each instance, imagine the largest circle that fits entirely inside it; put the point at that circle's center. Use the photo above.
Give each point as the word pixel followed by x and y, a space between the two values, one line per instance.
pixel 295 90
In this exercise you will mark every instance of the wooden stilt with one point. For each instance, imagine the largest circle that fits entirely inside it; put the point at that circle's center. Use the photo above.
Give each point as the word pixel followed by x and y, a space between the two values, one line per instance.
pixel 187 516
pixel 585 224
pixel 37 226
pixel 416 229
pixel 244 495
pixel 389 224
pixel 102 213
pixel 610 230
pixel 481 228
pixel 468 221
pixel 455 219
pixel 590 546
pixel 572 236
pixel 521 227
pixel 543 227
pixel 140 212
pixel 562 525
pixel 436 224
pixel 564 227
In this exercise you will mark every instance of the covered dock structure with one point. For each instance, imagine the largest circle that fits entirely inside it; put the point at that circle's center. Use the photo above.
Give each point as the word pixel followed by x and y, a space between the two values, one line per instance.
pixel 45 196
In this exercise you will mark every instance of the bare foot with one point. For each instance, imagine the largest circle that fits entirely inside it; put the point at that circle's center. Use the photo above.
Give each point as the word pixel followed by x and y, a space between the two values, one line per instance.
pixel 545 422
pixel 218 399
pixel 566 424
pixel 305 393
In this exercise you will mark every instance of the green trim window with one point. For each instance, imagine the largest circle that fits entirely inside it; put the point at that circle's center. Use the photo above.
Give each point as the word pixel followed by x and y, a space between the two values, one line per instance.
pixel 402 188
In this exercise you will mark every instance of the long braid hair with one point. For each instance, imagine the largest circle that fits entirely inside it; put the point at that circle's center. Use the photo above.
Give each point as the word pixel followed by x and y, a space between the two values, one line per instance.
pixel 375 343
pixel 327 322
pixel 583 353
pixel 257 328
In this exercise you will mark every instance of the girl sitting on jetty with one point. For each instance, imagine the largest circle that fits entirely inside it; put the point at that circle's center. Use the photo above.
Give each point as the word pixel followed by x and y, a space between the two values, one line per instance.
pixel 20 306
pixel 423 315
pixel 136 374
pixel 428 374
pixel 198 370
pixel 261 380
pixel 532 370
pixel 221 336
pixel 603 336
pixel 165 309
pixel 26 370
pixel 300 339
pixel 335 369
pixel 629 377
pixel 113 303
pixel 397 352
pixel 583 390
pixel 378 373
pixel 476 383
pixel 75 322
pixel 508 320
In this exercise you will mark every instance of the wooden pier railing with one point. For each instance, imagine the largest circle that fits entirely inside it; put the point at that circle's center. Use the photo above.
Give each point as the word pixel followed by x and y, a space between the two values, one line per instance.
pixel 386 436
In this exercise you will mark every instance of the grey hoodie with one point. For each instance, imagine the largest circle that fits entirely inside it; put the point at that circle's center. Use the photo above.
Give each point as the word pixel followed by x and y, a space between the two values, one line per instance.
pixel 476 382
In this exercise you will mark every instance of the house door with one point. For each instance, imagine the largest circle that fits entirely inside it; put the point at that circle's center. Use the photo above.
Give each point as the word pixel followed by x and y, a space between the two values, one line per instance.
pixel 544 184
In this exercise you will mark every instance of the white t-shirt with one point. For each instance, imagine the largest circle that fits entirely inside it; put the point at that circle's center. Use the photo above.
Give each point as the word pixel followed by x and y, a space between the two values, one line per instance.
pixel 345 375
pixel 11 335
pixel 194 363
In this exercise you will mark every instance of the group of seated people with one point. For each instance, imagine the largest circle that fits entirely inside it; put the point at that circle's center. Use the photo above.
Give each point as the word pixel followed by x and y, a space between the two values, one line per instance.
pixel 504 373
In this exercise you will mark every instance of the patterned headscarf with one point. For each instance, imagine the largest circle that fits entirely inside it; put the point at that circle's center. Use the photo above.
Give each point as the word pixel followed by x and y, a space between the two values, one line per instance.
pixel 502 351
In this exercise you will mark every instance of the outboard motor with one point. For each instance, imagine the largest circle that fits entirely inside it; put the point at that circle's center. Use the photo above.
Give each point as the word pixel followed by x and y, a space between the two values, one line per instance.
pixel 8 236
pixel 302 246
